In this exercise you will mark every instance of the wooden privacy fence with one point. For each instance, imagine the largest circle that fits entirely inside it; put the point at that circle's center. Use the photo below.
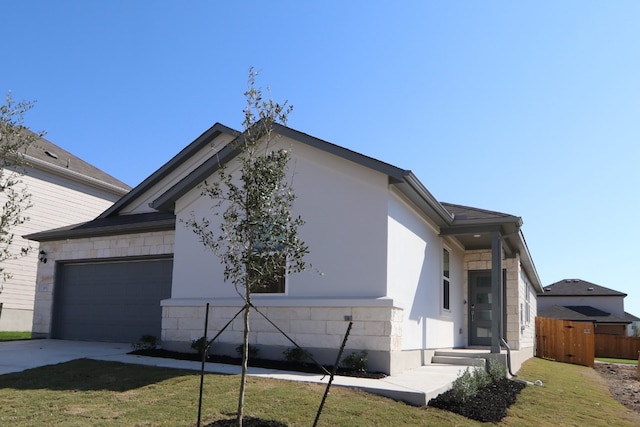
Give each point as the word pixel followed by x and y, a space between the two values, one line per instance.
pixel 617 347
pixel 565 341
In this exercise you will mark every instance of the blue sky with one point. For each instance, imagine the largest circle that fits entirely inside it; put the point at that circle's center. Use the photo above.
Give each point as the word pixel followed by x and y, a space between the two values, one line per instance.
pixel 530 107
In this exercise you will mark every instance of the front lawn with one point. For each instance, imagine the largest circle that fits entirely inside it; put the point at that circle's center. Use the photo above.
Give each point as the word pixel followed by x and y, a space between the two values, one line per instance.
pixel 12 336
pixel 86 392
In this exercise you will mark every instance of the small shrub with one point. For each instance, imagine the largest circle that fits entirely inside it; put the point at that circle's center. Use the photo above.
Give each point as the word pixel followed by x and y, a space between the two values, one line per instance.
pixel 253 351
pixel 464 387
pixel 146 342
pixel 496 371
pixel 469 382
pixel 296 355
pixel 481 378
pixel 199 345
pixel 356 361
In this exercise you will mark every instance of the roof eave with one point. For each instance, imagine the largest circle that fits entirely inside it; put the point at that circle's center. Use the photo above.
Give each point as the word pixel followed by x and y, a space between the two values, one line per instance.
pixel 205 138
pixel 70 233
pixel 411 187
pixel 75 176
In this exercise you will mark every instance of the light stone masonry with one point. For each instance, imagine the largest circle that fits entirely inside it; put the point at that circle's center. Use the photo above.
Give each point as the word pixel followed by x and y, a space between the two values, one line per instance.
pixel 374 328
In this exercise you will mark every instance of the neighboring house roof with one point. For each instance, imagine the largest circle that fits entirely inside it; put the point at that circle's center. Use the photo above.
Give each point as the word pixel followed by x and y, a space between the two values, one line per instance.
pixel 472 226
pixel 45 155
pixel 578 287
pixel 581 313
pixel 630 317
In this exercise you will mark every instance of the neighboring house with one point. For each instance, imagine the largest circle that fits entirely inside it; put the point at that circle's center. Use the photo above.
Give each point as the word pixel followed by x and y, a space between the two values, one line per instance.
pixel 412 273
pixel 64 190
pixel 579 300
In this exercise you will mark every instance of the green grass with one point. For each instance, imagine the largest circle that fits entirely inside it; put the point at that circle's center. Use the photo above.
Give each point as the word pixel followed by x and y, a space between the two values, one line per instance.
pixel 610 360
pixel 86 392
pixel 12 336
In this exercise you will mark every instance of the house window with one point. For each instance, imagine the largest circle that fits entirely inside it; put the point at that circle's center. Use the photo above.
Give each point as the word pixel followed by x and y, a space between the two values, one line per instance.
pixel 527 308
pixel 446 286
pixel 269 274
pixel 268 262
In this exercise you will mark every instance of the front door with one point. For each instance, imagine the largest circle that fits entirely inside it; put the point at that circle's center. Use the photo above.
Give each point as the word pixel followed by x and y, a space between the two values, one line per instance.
pixel 480 300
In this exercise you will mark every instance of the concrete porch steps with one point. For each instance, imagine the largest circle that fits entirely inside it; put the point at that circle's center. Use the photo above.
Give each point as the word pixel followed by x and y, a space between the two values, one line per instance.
pixel 465 357
pixel 455 360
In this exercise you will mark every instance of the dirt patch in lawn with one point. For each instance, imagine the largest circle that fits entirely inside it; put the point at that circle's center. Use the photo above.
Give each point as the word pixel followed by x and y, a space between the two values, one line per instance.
pixel 623 382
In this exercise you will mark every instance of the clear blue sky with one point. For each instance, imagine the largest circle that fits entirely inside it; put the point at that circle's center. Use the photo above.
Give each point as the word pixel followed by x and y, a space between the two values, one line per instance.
pixel 529 107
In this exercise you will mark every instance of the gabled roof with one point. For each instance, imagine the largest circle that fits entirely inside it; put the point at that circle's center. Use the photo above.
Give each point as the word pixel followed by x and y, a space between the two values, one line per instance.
pixel 582 313
pixel 404 179
pixel 463 222
pixel 468 214
pixel 578 287
pixel 44 154
pixel 630 317
pixel 200 142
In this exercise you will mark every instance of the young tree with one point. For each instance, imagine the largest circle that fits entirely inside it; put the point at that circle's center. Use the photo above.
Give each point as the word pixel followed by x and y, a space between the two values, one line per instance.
pixel 257 240
pixel 15 138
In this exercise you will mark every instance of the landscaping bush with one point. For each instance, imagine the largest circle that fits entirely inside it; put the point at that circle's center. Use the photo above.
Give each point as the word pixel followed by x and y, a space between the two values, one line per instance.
pixel 356 361
pixel 199 345
pixel 146 342
pixel 482 395
pixel 466 385
pixel 296 355
pixel 253 351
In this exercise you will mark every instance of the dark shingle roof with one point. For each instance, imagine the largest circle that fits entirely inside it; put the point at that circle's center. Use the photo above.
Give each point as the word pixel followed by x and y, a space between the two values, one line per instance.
pixel 578 287
pixel 135 223
pixel 630 317
pixel 582 313
pixel 461 212
pixel 46 152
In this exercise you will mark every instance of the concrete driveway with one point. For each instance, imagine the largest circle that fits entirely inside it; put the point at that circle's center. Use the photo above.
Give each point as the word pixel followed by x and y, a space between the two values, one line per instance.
pixel 16 356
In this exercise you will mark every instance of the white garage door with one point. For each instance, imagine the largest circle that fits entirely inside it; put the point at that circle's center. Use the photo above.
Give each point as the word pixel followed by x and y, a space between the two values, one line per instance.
pixel 110 301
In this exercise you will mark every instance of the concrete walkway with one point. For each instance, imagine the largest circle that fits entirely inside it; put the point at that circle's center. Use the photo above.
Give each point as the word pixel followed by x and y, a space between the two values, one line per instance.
pixel 415 387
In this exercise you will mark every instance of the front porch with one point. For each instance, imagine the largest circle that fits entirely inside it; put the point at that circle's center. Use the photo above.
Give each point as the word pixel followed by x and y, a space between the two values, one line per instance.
pixel 480 357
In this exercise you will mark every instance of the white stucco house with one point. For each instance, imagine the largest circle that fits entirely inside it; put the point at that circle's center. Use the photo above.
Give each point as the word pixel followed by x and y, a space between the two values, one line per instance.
pixel 64 190
pixel 414 275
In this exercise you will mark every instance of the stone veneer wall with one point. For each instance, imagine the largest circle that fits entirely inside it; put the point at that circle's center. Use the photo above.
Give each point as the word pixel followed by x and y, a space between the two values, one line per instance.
pixel 317 328
pixel 95 249
pixel 481 260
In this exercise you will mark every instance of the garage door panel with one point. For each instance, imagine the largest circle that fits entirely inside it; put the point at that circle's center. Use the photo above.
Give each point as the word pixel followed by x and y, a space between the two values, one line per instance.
pixel 111 301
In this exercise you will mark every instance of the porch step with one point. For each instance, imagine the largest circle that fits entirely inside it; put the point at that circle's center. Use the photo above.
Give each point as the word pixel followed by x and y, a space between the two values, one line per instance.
pixel 455 360
pixel 458 360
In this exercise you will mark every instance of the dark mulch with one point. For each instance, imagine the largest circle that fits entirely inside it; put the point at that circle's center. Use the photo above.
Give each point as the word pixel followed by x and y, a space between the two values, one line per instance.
pixel 247 422
pixel 282 365
pixel 489 405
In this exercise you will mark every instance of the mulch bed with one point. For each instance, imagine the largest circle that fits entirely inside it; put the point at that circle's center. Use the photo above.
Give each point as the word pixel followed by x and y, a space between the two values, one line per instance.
pixel 282 365
pixel 488 405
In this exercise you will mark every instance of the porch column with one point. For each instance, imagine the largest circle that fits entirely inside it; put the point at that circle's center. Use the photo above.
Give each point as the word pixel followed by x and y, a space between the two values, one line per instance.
pixel 496 291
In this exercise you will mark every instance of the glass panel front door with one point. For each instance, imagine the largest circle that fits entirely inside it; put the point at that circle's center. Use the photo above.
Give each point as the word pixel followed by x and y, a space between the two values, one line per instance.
pixel 480 299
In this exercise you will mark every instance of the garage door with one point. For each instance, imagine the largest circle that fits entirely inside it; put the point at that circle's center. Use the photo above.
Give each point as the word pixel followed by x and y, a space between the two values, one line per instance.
pixel 110 301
